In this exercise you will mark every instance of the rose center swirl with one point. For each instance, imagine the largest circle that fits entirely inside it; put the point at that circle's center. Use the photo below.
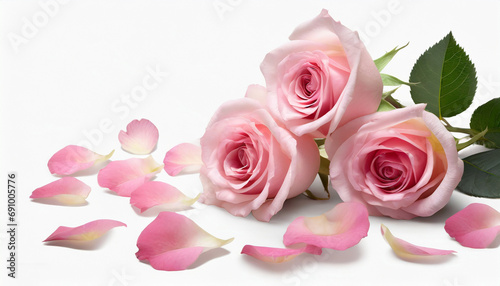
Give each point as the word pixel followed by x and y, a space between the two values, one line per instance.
pixel 307 83
pixel 391 171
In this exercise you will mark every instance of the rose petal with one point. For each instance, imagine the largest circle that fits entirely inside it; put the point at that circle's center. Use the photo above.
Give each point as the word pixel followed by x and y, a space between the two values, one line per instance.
pixel 348 96
pixel 173 242
pixel 140 138
pixel 257 92
pixel 340 228
pixel 86 232
pixel 476 226
pixel 407 250
pixel 184 158
pixel 72 158
pixel 152 193
pixel 251 163
pixel 350 146
pixel 278 255
pixel 125 176
pixel 67 190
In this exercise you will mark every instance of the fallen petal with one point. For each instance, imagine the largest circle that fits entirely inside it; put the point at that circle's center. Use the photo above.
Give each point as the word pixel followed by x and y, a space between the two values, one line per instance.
pixel 184 158
pixel 72 159
pixel 278 255
pixel 67 190
pixel 340 228
pixel 173 242
pixel 125 176
pixel 86 232
pixel 140 138
pixel 476 226
pixel 410 251
pixel 152 194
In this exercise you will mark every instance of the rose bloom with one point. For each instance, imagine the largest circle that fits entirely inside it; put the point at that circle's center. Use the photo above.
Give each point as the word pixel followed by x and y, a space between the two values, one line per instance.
pixel 323 78
pixel 251 164
pixel 401 163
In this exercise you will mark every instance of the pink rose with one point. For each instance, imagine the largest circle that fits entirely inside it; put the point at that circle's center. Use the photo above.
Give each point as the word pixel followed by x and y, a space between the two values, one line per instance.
pixel 401 163
pixel 323 78
pixel 250 163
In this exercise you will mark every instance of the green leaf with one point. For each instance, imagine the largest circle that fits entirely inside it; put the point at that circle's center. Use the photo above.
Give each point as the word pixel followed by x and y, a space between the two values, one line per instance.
pixel 381 62
pixel 446 77
pixel 385 106
pixel 487 116
pixel 481 176
pixel 389 93
pixel 389 80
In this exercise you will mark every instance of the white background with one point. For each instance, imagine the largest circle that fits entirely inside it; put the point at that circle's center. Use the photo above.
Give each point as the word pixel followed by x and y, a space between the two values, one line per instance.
pixel 65 80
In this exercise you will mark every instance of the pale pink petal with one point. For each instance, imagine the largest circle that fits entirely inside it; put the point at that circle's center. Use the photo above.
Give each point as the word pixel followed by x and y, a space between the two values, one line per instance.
pixel 340 228
pixel 72 159
pixel 67 190
pixel 152 194
pixel 140 138
pixel 173 242
pixel 410 251
pixel 125 176
pixel 278 255
pixel 175 260
pixel 86 232
pixel 476 226
pixel 184 158
pixel 257 92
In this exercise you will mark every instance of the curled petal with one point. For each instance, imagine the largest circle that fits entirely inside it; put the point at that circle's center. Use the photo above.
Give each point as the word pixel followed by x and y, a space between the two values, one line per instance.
pixel 72 159
pixel 140 138
pixel 278 255
pixel 407 250
pixel 67 190
pixel 125 176
pixel 86 232
pixel 173 242
pixel 152 194
pixel 257 92
pixel 340 228
pixel 184 158
pixel 476 226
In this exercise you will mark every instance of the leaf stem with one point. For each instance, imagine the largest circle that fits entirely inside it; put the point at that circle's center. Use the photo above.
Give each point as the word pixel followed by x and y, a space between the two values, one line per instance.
pixel 471 141
pixel 460 130
pixel 393 101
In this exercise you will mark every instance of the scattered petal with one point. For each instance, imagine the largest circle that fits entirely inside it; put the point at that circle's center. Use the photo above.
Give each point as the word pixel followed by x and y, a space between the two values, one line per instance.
pixel 340 228
pixel 67 190
pixel 410 251
pixel 173 242
pixel 184 158
pixel 86 232
pixel 476 226
pixel 72 159
pixel 140 138
pixel 152 194
pixel 125 176
pixel 278 255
